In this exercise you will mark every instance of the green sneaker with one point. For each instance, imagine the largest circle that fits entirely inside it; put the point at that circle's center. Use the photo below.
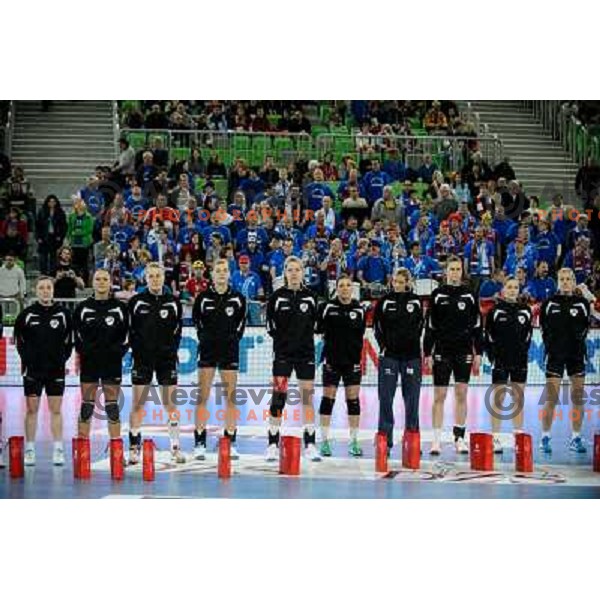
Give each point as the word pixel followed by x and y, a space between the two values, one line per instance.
pixel 354 448
pixel 325 449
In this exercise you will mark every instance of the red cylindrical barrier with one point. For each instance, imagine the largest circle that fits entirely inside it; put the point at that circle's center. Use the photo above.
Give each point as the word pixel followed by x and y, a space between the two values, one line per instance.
pixel 116 459
pixel 482 452
pixel 597 452
pixel 411 450
pixel 289 455
pixel 224 466
pixel 82 467
pixel 381 452
pixel 523 453
pixel 16 458
pixel 148 461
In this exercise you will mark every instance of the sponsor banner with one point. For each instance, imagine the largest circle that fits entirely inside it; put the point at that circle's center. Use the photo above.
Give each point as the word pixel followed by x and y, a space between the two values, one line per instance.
pixel 256 356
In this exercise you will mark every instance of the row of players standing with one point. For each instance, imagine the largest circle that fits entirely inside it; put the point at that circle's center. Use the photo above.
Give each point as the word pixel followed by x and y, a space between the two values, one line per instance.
pixel 102 329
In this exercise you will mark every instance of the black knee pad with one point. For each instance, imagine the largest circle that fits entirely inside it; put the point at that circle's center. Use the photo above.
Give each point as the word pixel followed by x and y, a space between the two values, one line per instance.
pixel 326 407
pixel 113 413
pixel 353 406
pixel 86 412
pixel 277 404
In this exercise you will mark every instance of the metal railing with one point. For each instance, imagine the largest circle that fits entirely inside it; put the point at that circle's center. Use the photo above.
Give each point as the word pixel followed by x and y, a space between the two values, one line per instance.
pixel 451 152
pixel 557 119
pixel 115 111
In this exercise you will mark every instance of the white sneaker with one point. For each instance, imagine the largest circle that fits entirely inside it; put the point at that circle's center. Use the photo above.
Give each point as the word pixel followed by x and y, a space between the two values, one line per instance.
pixel 498 446
pixel 177 456
pixel 233 453
pixel 58 456
pixel 30 458
pixel 436 448
pixel 311 453
pixel 272 453
pixel 199 452
pixel 461 446
pixel 134 455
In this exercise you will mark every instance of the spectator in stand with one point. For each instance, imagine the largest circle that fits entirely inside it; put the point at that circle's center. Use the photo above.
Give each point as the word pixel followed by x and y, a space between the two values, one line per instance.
pixel 252 233
pixel 579 258
pixel 421 267
pixel 80 225
pixel 334 264
pixel 492 288
pixel 374 182
pixel 389 209
pixel 117 212
pixel 427 169
pixel 101 246
pixel 587 180
pixel 162 246
pixel 298 123
pixel 92 196
pixel 479 259
pixel 580 230
pixel 196 163
pixel 51 230
pixel 215 167
pixel 5 168
pixel 315 191
pixel 445 202
pixel 355 206
pixel 423 233
pixel 519 259
pixel 484 171
pixel 373 268
pixel 156 118
pixel 343 190
pixel 215 226
pixel 147 172
pixel 394 166
pixel 330 171
pixel 269 173
pixel 328 214
pixel 514 201
pixel 541 287
pixel 547 246
pixel 505 170
pixel 126 163
pixel 482 203
pixel 19 194
pixel 444 245
pixel 435 120
pixel 17 223
pixel 12 279
pixel 180 195
pixel 67 279
pixel 522 277
pixel 162 214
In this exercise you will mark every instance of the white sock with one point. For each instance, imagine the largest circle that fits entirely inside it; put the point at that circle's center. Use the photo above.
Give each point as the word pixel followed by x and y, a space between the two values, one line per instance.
pixel 324 432
pixel 58 445
pixel 545 433
pixel 309 428
pixel 30 446
pixel 575 434
pixel 135 431
pixel 353 434
pixel 274 429
pixel 437 436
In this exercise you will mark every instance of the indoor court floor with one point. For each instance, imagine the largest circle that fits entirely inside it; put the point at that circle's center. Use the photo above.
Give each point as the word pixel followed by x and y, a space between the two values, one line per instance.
pixel 560 475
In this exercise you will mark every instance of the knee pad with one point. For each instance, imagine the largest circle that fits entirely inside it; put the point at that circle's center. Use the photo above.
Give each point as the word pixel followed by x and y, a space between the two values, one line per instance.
pixel 353 406
pixel 326 407
pixel 112 412
pixel 277 404
pixel 86 412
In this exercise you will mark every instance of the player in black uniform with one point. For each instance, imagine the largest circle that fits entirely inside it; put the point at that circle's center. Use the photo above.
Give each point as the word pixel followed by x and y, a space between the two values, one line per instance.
pixel 155 320
pixel 44 339
pixel 101 326
pixel 508 329
pixel 342 323
pixel 291 318
pixel 564 321
pixel 453 334
pixel 398 326
pixel 219 315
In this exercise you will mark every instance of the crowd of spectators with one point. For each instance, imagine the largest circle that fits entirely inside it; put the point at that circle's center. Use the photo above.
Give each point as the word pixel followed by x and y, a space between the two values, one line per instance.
pixel 363 219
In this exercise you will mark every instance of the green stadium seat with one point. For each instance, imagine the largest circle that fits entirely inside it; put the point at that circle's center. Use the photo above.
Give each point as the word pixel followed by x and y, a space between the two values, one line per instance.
pixel 181 153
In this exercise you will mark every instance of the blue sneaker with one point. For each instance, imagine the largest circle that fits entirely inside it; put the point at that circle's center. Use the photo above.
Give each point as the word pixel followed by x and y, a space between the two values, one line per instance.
pixel 545 446
pixel 577 445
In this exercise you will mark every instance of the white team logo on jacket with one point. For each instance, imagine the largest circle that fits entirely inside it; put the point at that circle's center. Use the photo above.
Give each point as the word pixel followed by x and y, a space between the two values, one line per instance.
pixel 353 315
pixel 229 311
pixel 574 312
pixel 109 321
pixel 54 323
pixel 522 319
pixel 461 305
pixel 411 307
pixel 164 313
pixel 304 307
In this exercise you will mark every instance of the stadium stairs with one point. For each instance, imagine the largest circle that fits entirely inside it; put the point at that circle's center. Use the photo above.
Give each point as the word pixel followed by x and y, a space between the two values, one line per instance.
pixel 60 148
pixel 540 162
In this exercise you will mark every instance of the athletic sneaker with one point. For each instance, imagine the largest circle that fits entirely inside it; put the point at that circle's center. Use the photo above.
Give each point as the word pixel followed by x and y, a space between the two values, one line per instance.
pixel 461 446
pixel 58 456
pixel 134 455
pixel 311 453
pixel 272 453
pixel 199 452
pixel 545 445
pixel 436 448
pixel 498 446
pixel 325 448
pixel 577 445
pixel 30 458
pixel 177 456
pixel 354 448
